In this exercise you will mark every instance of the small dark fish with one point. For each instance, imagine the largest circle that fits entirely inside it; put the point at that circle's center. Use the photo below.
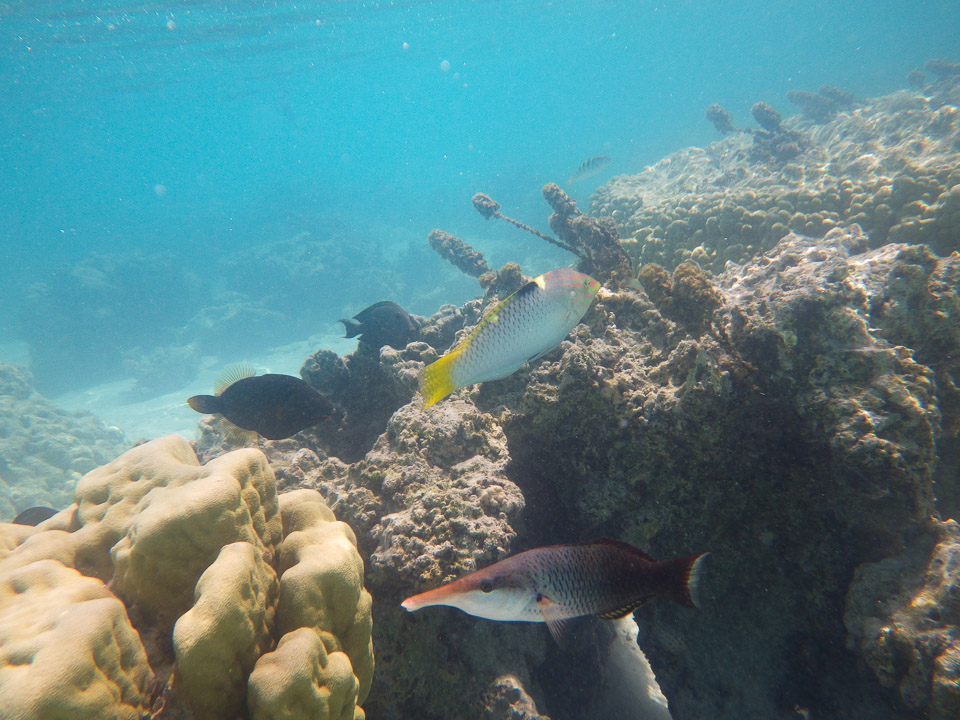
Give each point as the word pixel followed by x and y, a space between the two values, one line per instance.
pixel 275 406
pixel 588 168
pixel 34 516
pixel 608 579
pixel 383 323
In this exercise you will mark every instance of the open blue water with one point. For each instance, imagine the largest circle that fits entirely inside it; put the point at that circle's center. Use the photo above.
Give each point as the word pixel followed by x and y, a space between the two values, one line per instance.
pixel 152 153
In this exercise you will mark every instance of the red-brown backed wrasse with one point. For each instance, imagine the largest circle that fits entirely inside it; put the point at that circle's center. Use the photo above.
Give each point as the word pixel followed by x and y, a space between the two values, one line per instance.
pixel 607 578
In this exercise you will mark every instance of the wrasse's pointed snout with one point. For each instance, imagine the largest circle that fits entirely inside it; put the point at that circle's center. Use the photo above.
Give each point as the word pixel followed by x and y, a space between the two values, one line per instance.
pixel 424 599
pixel 410 604
pixel 450 594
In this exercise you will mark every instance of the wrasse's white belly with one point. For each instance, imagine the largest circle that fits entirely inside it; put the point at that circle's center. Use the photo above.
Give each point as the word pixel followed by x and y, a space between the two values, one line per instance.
pixel 503 352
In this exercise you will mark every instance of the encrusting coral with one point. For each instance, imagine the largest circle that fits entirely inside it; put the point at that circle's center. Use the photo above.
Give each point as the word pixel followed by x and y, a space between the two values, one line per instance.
pixel 165 566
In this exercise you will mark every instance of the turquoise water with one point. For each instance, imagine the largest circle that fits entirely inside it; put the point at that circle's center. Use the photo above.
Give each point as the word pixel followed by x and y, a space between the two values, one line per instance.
pixel 153 153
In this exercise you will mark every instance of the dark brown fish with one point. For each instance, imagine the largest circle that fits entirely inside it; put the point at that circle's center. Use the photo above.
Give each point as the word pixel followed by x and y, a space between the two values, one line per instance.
pixel 608 579
pixel 275 406
pixel 383 323
pixel 34 516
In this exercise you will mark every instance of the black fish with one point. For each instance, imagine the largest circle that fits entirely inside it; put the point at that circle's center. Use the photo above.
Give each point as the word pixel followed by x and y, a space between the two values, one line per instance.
pixel 383 323
pixel 34 516
pixel 275 406
pixel 589 167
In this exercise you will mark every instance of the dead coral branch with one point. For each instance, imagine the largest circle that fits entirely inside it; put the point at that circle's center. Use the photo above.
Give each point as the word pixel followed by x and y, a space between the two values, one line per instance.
pixel 490 208
pixel 458 253
pixel 602 255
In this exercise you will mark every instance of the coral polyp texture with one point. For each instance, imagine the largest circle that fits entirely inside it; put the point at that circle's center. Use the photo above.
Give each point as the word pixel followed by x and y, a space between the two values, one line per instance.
pixel 890 165
pixel 167 582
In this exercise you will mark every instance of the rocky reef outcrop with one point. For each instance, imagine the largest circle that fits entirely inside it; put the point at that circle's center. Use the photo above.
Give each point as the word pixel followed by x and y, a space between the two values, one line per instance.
pixel 174 589
pixel 888 164
pixel 788 415
pixel 903 616
pixel 44 450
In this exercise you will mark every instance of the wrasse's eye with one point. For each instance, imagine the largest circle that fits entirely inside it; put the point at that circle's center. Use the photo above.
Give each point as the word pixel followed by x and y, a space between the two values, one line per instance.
pixel 486 586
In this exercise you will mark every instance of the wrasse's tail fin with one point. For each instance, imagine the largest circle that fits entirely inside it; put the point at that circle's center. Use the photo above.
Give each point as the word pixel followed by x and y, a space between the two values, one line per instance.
pixel 206 404
pixel 437 380
pixel 684 574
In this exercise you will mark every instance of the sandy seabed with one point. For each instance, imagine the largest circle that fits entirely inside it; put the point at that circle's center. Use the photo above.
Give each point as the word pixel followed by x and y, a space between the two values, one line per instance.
pixel 168 413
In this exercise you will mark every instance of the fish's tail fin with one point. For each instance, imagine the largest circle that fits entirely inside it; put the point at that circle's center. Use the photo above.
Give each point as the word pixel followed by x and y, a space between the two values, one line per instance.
pixel 352 327
pixel 683 579
pixel 437 380
pixel 206 404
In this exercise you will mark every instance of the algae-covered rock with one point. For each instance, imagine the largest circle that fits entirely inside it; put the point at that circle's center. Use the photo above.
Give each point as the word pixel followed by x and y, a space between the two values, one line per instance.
pixel 903 615
pixel 794 435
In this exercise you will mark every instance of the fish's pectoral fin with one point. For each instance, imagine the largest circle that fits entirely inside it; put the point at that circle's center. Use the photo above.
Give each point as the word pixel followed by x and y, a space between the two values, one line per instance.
pixel 621 612
pixel 552 615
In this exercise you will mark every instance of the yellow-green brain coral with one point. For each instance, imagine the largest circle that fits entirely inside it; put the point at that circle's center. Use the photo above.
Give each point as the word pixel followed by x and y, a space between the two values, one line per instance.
pixel 167 567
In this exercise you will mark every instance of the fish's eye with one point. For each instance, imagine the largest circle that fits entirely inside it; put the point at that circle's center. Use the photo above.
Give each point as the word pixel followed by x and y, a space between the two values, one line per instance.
pixel 486 586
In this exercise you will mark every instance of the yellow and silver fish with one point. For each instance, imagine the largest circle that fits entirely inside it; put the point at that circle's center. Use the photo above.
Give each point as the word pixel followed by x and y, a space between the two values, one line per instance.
pixel 525 326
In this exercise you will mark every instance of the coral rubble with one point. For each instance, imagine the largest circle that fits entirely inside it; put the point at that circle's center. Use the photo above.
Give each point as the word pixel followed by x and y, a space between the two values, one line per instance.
pixel 164 568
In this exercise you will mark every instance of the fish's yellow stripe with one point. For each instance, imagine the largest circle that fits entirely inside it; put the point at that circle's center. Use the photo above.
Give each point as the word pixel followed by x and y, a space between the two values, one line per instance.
pixel 437 380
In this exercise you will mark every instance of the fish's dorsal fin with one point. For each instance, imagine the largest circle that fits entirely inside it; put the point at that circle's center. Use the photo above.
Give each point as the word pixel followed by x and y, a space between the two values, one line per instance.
pixel 370 310
pixel 231 375
pixel 530 287
pixel 625 546
pixel 623 611
pixel 552 615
